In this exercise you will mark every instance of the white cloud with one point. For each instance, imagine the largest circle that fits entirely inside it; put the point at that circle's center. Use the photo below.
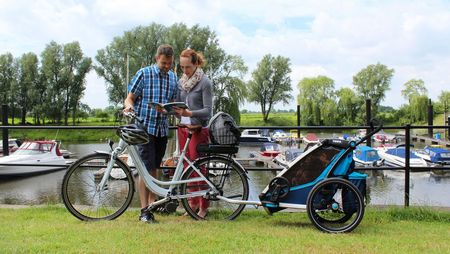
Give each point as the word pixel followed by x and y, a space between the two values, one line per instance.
pixel 333 38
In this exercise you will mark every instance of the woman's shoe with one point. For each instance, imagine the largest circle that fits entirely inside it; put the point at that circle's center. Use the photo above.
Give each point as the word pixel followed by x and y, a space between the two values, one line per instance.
pixel 187 214
pixel 202 213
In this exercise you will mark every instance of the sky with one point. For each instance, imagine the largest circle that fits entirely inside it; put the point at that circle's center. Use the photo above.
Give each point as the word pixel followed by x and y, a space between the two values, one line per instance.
pixel 332 38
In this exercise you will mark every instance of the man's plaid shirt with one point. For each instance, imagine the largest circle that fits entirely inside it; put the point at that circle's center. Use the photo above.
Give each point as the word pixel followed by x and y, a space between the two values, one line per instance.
pixel 151 85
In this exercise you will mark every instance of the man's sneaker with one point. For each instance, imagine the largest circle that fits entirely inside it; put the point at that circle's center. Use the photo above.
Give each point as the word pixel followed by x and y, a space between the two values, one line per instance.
pixel 147 217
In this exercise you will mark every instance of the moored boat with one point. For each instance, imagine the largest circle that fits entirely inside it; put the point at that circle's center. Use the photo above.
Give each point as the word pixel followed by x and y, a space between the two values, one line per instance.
pixel 434 155
pixel 395 156
pixel 43 156
pixel 270 150
pixel 253 136
pixel 366 156
pixel 13 145
pixel 310 138
pixel 284 158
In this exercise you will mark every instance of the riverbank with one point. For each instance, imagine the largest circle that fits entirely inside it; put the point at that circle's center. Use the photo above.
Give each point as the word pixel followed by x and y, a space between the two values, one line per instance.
pixel 247 119
pixel 53 229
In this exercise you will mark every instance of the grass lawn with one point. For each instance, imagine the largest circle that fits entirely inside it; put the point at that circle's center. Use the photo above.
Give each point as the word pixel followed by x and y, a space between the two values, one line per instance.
pixel 51 229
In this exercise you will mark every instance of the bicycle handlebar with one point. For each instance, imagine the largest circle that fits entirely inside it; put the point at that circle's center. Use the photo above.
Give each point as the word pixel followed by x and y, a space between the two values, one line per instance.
pixel 132 115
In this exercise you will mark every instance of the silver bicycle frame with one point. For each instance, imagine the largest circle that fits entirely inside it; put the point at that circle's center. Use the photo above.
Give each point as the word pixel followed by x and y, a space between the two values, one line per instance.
pixel 153 183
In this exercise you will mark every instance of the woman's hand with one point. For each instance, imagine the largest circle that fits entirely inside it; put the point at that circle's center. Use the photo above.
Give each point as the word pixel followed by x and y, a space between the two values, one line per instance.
pixel 182 112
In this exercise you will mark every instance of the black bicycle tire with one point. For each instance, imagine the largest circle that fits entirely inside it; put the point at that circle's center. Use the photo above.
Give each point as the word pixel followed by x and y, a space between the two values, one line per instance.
pixel 318 222
pixel 235 166
pixel 65 195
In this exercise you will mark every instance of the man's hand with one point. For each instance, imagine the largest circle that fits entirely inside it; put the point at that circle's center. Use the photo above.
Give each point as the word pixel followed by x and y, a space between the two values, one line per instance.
pixel 128 109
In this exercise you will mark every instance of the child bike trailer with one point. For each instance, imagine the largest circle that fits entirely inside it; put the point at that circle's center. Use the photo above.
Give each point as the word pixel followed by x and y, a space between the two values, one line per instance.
pixel 322 182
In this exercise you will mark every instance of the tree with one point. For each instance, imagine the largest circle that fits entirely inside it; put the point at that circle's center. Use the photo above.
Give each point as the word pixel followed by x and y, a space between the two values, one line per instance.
pixel 348 105
pixel 28 79
pixel 229 89
pixel 64 70
pixel 414 87
pixel 314 93
pixel 83 111
pixel 271 83
pixel 329 112
pixel 8 76
pixel 444 103
pixel 140 45
pixel 38 94
pixel 74 73
pixel 419 108
pixel 52 71
pixel 372 83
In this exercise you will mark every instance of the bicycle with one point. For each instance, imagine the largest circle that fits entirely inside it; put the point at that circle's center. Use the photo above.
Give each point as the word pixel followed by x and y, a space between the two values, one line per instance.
pixel 321 182
pixel 220 178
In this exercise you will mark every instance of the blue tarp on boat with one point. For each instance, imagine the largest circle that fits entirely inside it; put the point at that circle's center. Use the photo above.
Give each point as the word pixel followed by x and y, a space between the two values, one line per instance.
pixel 366 153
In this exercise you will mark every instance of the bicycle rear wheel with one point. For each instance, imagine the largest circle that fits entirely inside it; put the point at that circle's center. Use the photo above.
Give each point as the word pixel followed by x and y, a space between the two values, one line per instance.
pixel 230 180
pixel 80 194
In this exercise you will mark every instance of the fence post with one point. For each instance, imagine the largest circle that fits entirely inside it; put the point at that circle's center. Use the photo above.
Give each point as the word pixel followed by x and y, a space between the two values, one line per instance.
pixel 430 118
pixel 407 155
pixel 448 129
pixel 368 117
pixel 5 131
pixel 298 121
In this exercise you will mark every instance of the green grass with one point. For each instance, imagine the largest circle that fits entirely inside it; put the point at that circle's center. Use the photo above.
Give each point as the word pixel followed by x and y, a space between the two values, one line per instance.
pixel 52 229
pixel 64 135
pixel 275 119
pixel 67 135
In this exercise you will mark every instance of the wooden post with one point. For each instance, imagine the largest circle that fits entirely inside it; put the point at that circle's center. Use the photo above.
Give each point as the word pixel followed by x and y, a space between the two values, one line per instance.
pixel 298 121
pixel 448 129
pixel 5 131
pixel 407 157
pixel 430 119
pixel 368 117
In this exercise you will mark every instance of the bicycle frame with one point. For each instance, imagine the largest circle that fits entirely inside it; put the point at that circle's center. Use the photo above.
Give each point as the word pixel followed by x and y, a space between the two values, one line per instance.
pixel 153 183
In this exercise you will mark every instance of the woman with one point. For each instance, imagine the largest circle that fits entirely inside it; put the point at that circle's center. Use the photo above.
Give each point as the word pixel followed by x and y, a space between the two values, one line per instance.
pixel 195 89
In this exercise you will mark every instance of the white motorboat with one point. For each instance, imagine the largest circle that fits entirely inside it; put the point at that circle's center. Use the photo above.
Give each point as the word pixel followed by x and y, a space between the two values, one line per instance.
pixel 395 156
pixel 435 155
pixel 43 156
pixel 13 145
pixel 283 159
pixel 280 135
pixel 253 136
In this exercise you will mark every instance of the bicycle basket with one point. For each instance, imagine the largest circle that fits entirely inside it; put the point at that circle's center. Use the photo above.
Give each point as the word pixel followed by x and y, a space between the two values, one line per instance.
pixel 223 130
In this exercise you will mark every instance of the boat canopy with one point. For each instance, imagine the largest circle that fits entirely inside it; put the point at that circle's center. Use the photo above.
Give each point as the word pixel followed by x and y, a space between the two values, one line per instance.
pixel 438 154
pixel 400 152
pixel 37 147
pixel 366 153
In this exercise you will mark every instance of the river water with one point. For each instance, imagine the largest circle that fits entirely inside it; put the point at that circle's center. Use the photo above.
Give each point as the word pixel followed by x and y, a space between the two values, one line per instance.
pixel 384 187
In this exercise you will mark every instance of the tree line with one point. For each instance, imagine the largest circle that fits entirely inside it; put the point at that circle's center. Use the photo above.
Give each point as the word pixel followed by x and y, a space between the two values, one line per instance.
pixel 321 104
pixel 51 87
pixel 47 89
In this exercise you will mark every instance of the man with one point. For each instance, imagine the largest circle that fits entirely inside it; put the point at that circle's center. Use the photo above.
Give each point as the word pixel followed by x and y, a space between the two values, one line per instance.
pixel 155 83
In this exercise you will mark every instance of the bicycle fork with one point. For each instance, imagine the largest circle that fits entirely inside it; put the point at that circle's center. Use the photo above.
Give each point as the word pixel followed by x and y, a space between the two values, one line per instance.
pixel 112 161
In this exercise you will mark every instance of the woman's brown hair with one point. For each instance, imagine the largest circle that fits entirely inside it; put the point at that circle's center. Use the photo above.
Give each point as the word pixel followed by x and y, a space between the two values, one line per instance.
pixel 196 57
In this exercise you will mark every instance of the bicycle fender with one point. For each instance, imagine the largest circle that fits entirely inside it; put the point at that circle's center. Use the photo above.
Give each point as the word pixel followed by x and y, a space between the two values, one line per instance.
pixel 102 152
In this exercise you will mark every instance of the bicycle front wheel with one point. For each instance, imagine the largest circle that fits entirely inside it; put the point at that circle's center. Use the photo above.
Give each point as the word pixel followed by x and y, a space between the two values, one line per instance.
pixel 229 179
pixel 81 196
